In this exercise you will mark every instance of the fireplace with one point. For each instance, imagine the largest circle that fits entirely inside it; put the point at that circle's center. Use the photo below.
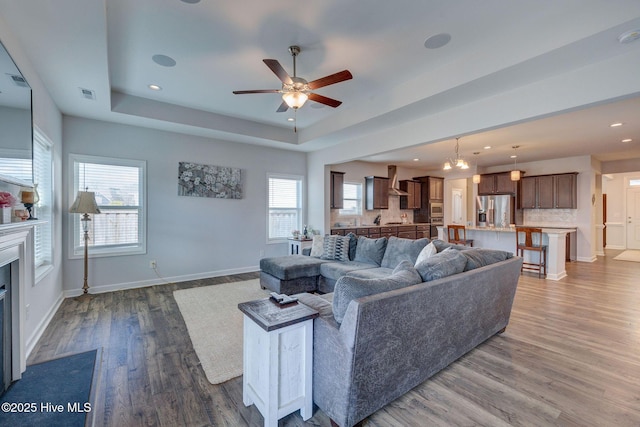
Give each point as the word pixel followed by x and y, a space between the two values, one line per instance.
pixel 16 276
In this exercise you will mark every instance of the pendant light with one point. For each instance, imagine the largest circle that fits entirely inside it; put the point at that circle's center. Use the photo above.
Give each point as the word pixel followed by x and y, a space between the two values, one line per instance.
pixel 458 161
pixel 476 176
pixel 515 173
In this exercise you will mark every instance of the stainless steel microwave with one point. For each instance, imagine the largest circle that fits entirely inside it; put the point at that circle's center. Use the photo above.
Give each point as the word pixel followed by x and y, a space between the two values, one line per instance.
pixel 436 209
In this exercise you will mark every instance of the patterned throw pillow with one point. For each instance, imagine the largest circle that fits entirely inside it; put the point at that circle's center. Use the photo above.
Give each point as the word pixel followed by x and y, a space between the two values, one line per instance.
pixel 335 248
pixel 317 246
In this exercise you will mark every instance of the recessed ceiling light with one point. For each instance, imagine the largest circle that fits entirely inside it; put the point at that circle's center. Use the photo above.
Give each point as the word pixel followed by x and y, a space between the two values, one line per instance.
pixel 487 147
pixel 416 160
pixel 290 119
pixel 191 1
pixel 627 140
pixel 154 87
pixel 437 41
pixel 629 36
pixel 164 60
pixel 615 125
pixel 513 156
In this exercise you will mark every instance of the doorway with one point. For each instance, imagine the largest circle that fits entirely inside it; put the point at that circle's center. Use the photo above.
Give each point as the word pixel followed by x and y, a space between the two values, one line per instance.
pixel 457 196
pixel 633 218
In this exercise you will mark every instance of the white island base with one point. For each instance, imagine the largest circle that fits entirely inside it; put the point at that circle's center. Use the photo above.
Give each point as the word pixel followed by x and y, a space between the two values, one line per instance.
pixel 505 239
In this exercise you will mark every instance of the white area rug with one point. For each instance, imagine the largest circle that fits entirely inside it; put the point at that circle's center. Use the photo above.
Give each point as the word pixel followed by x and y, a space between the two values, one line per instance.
pixel 215 325
pixel 630 255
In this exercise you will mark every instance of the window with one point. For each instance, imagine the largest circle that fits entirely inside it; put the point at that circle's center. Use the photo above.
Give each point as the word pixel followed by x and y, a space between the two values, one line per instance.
pixel 119 187
pixel 634 182
pixel 43 179
pixel 285 206
pixel 352 199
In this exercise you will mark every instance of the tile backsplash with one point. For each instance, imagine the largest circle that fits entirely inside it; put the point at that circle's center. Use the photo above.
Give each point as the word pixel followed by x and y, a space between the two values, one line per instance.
pixel 393 214
pixel 550 217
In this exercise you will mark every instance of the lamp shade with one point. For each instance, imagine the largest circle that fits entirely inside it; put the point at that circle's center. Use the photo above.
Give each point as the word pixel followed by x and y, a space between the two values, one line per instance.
pixel 85 203
pixel 476 179
pixel 515 175
pixel 295 99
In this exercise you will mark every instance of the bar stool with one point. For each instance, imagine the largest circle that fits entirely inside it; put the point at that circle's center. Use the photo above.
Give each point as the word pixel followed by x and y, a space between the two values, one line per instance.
pixel 530 239
pixel 458 234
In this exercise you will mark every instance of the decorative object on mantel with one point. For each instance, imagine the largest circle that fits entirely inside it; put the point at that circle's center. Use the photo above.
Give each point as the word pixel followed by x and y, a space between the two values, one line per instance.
pixel 458 161
pixel 29 197
pixel 85 204
pixel 7 201
pixel 209 181
pixel 515 173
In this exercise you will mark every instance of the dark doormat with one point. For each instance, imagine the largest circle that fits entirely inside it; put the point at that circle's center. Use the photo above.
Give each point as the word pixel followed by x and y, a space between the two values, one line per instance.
pixel 58 392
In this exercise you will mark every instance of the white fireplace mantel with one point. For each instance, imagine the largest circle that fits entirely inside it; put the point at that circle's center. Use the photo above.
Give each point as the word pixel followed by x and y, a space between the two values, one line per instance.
pixel 17 249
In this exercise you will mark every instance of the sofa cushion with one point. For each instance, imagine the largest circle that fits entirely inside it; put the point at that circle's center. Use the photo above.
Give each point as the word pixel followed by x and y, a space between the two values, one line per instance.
pixel 353 243
pixel 349 288
pixel 335 248
pixel 335 270
pixel 441 245
pixel 370 251
pixel 478 257
pixel 317 246
pixel 399 249
pixel 371 273
pixel 443 264
pixel 291 266
pixel 426 252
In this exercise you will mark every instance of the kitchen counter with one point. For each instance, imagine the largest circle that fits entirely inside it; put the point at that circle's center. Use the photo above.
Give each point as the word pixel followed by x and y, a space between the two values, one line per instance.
pixel 337 227
pixel 406 231
pixel 504 239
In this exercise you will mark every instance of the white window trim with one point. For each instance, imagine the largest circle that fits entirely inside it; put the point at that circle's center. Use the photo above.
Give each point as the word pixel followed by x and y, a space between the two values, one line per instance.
pixel 360 201
pixel 302 211
pixel 45 269
pixel 141 247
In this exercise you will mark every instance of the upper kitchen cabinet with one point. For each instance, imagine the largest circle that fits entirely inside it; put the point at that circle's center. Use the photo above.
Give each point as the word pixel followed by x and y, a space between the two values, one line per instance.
pixel 413 199
pixel 496 183
pixel 337 190
pixel 436 188
pixel 557 191
pixel 377 192
pixel 431 190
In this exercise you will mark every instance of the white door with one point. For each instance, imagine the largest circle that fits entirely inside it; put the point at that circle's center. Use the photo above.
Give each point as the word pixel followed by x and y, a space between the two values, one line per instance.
pixel 633 218
pixel 456 206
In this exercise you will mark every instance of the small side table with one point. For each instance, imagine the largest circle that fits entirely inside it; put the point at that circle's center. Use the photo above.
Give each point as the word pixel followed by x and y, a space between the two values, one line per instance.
pixel 297 245
pixel 278 358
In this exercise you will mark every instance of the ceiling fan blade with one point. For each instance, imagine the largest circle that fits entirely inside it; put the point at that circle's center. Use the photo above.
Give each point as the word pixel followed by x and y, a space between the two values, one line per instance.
pixel 282 108
pixel 243 92
pixel 324 100
pixel 332 79
pixel 277 69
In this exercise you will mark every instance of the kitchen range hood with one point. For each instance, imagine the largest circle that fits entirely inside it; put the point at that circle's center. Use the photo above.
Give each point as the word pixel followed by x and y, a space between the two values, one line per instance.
pixel 394 189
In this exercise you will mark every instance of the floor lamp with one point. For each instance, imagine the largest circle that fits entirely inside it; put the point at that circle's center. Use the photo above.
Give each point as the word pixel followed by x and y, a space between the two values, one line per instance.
pixel 85 204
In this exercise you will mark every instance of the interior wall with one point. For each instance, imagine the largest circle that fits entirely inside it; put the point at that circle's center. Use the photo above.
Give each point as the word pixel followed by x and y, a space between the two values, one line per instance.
pixel 189 237
pixel 43 299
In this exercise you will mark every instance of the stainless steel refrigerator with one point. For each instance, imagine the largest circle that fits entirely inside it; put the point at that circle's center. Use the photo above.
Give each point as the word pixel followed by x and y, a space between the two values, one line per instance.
pixel 495 211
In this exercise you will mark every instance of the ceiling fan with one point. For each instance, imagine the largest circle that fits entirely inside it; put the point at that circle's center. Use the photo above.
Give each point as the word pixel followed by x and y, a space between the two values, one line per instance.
pixel 296 90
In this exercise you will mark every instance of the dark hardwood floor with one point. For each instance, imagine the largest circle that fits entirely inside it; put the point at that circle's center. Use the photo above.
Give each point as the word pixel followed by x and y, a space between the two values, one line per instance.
pixel 569 357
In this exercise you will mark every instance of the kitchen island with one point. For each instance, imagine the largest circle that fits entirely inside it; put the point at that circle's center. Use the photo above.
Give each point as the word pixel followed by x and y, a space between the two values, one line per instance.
pixel 505 239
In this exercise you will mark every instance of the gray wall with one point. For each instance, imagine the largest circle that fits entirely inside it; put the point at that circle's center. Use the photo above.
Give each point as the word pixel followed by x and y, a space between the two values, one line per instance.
pixel 189 237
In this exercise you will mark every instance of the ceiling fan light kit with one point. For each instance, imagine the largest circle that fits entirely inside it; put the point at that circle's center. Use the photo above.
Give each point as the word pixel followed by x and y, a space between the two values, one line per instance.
pixel 296 90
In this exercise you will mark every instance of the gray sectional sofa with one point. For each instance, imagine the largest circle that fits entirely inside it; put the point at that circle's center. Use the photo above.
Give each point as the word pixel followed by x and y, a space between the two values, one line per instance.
pixel 386 329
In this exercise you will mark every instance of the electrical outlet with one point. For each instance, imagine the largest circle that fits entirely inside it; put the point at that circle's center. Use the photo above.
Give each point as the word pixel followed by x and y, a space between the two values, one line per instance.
pixel 153 264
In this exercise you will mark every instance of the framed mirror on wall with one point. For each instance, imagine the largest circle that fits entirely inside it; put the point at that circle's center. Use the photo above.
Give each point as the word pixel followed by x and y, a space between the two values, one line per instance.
pixel 16 130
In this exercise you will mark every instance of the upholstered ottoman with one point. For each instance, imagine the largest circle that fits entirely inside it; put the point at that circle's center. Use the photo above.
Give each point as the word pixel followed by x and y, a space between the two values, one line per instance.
pixel 290 274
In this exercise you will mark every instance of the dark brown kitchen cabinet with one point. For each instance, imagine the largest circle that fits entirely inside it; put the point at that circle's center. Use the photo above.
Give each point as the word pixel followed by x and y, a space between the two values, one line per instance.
pixel 412 200
pixel 557 191
pixel 436 188
pixel 337 190
pixel 377 192
pixel 496 183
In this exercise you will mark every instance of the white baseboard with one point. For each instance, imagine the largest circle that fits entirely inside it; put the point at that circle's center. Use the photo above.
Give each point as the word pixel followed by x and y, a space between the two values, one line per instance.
pixel 33 339
pixel 160 281
pixel 590 259
pixel 616 247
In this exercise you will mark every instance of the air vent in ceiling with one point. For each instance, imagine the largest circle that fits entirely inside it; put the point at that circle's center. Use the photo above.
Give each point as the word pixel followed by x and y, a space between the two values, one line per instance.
pixel 18 80
pixel 88 93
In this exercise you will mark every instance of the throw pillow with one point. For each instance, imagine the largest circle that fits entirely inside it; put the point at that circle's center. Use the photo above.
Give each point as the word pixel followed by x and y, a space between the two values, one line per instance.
pixel 478 257
pixel 316 246
pixel 443 264
pixel 426 252
pixel 353 243
pixel 441 245
pixel 349 288
pixel 370 251
pixel 399 249
pixel 335 248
